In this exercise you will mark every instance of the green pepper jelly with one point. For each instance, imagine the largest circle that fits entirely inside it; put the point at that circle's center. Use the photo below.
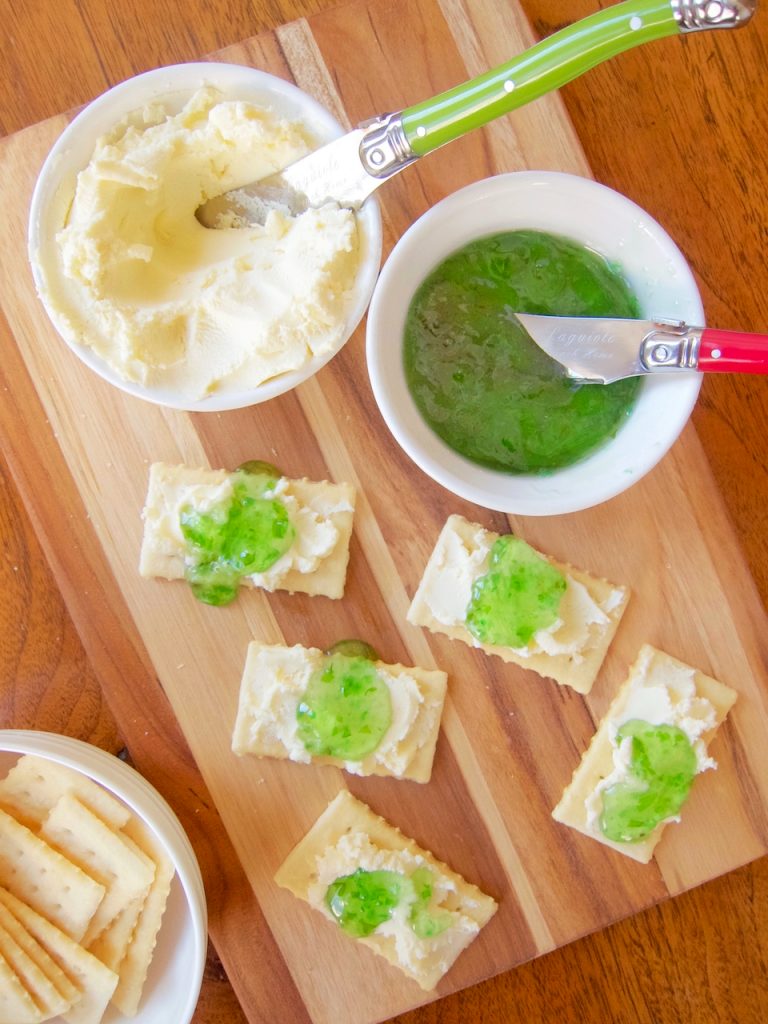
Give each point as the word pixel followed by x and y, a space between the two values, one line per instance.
pixel 661 770
pixel 480 381
pixel 362 901
pixel 519 595
pixel 243 535
pixel 345 710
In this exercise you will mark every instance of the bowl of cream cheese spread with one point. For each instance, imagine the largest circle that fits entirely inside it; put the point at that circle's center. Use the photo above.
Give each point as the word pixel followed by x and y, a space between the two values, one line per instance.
pixel 469 395
pixel 157 304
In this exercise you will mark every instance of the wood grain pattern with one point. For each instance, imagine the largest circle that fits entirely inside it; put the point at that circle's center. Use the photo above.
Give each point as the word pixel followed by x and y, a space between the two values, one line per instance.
pixel 225 436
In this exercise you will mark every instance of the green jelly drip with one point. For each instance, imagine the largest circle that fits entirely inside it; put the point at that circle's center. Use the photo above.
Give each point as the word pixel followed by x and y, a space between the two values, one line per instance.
pixel 362 901
pixel 345 710
pixel 661 771
pixel 426 922
pixel 479 380
pixel 243 535
pixel 519 595
pixel 258 468
pixel 354 649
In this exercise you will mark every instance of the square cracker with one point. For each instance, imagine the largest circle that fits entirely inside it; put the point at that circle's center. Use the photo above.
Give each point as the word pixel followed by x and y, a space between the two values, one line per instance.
pixel 16 1004
pixel 163 550
pixel 34 784
pixel 254 731
pixel 597 761
pixel 124 871
pixel 134 965
pixel 345 815
pixel 38 955
pixel 577 671
pixel 112 944
pixel 95 981
pixel 49 882
pixel 46 996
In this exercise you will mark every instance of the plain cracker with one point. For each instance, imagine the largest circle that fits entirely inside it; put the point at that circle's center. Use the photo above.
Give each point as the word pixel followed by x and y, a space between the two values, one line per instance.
pixel 35 784
pixel 46 996
pixel 16 1004
pixel 47 881
pixel 112 944
pixel 37 953
pixel 134 966
pixel 563 668
pixel 95 981
pixel 87 841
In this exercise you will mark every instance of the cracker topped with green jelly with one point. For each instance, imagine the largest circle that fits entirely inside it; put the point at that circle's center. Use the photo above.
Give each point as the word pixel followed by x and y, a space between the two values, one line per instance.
pixel 501 595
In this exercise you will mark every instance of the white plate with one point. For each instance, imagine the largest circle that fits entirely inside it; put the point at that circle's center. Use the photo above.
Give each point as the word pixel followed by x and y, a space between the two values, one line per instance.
pixel 176 972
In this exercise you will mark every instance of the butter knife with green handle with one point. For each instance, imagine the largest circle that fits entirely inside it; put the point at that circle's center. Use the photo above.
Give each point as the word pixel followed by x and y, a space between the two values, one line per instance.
pixel 350 168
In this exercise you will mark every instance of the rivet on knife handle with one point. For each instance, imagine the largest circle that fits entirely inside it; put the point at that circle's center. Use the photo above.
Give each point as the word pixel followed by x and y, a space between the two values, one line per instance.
pixel 676 346
pixel 384 149
pixel 695 15
pixel 672 346
pixel 557 60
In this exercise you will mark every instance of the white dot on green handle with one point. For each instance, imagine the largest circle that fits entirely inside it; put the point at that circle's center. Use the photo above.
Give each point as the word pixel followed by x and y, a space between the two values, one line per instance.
pixel 509 85
pixel 716 353
pixel 635 23
pixel 421 131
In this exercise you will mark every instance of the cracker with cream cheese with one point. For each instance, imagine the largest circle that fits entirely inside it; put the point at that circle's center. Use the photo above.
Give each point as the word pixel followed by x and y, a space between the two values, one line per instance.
pixel 571 652
pixel 274 680
pixel 320 512
pixel 659 689
pixel 348 836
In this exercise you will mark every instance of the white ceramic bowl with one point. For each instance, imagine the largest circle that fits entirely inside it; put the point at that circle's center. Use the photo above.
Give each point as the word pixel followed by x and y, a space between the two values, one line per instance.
pixel 174 85
pixel 601 219
pixel 176 972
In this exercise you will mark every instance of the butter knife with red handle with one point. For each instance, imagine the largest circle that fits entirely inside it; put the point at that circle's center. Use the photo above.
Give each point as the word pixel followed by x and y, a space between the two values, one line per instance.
pixel 604 350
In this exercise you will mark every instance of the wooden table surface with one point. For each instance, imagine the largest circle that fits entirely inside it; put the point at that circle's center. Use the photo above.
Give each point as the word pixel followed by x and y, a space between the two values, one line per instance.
pixel 680 128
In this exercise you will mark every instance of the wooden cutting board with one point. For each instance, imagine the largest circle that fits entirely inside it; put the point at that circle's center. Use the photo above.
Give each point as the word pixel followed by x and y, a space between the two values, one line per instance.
pixel 510 740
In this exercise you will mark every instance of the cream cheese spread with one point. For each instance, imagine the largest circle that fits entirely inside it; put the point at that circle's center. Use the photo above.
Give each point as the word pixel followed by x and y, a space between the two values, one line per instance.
pixel 168 303
pixel 283 674
pixel 355 850
pixel 661 694
pixel 316 534
pixel 459 564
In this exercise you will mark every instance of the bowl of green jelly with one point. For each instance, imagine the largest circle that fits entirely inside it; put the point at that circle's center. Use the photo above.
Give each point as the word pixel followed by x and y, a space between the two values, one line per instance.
pixel 471 398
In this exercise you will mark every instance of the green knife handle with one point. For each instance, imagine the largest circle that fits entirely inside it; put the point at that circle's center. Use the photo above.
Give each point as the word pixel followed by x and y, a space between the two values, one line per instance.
pixel 539 70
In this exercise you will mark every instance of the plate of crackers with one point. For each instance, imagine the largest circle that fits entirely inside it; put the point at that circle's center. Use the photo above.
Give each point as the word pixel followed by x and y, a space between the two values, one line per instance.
pixel 102 907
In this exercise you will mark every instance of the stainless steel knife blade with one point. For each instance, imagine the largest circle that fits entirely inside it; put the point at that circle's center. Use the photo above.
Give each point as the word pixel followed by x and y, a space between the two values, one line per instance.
pixel 335 170
pixel 604 350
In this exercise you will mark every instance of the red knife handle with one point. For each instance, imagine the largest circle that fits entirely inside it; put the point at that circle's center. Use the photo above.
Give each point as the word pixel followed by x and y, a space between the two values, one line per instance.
pixel 732 352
